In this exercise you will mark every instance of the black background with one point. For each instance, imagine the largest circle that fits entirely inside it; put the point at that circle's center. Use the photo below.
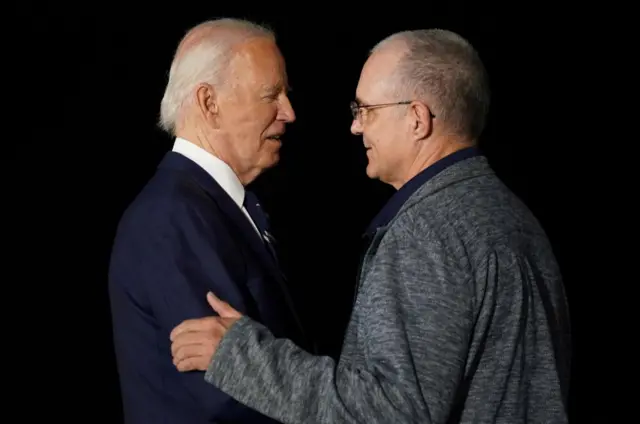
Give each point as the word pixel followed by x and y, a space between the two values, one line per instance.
pixel 89 84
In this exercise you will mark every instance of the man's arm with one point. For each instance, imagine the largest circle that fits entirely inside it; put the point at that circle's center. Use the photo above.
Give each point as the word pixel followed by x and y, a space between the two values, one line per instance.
pixel 414 327
pixel 178 260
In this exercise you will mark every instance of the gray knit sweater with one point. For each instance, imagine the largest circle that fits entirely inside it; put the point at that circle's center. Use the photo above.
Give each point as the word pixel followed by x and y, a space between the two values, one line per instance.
pixel 460 317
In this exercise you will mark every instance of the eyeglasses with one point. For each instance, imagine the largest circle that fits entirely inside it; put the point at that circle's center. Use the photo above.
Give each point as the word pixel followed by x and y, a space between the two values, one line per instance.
pixel 355 107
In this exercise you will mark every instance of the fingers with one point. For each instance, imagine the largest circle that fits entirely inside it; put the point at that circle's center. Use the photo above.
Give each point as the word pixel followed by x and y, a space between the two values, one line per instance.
pixel 194 341
pixel 188 339
pixel 192 364
pixel 192 325
pixel 183 352
pixel 190 357
pixel 197 347
pixel 222 308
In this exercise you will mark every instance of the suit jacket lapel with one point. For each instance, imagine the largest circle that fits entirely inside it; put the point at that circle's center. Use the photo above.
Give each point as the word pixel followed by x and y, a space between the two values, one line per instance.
pixel 266 253
pixel 236 217
pixel 232 211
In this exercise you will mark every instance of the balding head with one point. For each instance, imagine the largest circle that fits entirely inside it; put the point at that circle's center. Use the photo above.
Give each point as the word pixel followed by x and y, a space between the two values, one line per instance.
pixel 203 56
pixel 421 96
pixel 227 94
pixel 442 69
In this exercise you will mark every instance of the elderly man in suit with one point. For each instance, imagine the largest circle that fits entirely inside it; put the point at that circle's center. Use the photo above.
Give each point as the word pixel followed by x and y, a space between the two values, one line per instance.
pixel 460 314
pixel 194 228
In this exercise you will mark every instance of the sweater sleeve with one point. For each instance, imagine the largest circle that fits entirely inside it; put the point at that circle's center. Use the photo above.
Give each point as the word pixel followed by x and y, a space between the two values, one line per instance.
pixel 414 324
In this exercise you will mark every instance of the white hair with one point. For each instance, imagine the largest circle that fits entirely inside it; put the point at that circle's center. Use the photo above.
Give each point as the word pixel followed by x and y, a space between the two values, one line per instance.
pixel 206 61
pixel 442 69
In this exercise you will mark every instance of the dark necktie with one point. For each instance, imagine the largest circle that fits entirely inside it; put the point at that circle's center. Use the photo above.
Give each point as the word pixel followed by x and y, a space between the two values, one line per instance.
pixel 259 217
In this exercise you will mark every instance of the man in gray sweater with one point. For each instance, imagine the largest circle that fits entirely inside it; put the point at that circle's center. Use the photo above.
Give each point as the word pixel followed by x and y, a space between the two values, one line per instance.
pixel 460 314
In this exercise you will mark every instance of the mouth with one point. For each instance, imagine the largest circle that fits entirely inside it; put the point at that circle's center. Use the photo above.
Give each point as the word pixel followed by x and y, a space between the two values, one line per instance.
pixel 275 137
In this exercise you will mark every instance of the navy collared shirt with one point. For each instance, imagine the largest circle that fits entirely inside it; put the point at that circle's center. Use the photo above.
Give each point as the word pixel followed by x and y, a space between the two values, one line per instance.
pixel 396 201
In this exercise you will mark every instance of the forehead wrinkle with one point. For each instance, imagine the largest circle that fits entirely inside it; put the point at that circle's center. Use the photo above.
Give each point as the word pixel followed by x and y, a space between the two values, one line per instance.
pixel 279 85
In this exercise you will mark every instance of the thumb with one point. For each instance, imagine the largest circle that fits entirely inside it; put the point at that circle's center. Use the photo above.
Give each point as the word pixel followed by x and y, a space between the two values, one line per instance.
pixel 222 308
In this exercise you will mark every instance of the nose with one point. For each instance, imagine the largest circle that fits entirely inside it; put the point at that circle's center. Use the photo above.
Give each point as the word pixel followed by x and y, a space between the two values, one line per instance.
pixel 356 127
pixel 285 112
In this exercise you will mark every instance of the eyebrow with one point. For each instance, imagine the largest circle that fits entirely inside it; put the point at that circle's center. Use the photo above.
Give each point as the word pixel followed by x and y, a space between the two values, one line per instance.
pixel 285 84
pixel 359 101
pixel 277 88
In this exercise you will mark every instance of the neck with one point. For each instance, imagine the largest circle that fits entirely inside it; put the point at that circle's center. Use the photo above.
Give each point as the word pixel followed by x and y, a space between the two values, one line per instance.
pixel 215 146
pixel 427 157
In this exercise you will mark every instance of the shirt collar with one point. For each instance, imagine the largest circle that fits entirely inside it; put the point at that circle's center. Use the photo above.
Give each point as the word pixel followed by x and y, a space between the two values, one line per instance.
pixel 214 166
pixel 396 201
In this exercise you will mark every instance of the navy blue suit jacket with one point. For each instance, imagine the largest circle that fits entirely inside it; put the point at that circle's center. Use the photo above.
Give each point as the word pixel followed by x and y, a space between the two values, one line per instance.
pixel 181 237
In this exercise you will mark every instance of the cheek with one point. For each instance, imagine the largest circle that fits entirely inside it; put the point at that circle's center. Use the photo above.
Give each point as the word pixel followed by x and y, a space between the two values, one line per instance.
pixel 270 118
pixel 262 124
pixel 384 149
pixel 380 143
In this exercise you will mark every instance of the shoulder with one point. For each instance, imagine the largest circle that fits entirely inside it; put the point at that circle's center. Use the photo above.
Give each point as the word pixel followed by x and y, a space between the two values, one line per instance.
pixel 466 220
pixel 169 201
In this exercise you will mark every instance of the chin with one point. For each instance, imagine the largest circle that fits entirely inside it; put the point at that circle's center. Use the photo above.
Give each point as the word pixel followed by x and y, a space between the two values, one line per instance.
pixel 275 160
pixel 272 160
pixel 371 173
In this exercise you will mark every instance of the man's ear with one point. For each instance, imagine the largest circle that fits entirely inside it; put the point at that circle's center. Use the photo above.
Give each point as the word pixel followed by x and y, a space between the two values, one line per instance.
pixel 207 103
pixel 421 120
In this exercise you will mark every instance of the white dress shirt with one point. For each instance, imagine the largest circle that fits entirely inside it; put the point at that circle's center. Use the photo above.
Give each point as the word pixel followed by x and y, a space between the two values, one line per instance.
pixel 219 171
